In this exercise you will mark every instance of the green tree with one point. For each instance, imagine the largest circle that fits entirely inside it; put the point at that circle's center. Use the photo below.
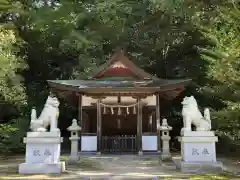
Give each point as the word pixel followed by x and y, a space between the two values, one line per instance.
pixel 224 69
pixel 69 39
pixel 11 88
pixel 13 97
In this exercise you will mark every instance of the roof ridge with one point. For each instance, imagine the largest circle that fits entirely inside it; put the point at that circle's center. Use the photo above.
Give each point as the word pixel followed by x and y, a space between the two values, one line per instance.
pixel 119 55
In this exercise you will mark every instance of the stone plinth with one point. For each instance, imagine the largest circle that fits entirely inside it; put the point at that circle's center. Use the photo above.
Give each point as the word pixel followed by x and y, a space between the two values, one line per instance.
pixel 42 153
pixel 198 152
pixel 198 134
pixel 74 149
pixel 165 128
pixel 165 155
pixel 41 168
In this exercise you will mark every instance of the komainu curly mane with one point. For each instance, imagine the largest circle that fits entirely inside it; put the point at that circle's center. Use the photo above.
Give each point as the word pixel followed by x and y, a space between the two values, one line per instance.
pixel 192 115
pixel 47 117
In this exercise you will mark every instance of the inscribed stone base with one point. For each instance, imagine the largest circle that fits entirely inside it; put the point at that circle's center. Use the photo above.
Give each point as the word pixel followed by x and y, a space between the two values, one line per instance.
pixel 42 153
pixel 198 148
pixel 42 147
pixel 200 167
pixel 41 168
pixel 198 152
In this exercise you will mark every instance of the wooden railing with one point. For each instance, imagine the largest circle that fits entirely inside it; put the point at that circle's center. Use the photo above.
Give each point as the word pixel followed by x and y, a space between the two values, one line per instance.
pixel 119 144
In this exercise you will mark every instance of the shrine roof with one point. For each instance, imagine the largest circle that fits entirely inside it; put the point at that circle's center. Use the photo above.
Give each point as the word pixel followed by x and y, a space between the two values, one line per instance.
pixel 120 61
pixel 98 85
pixel 119 75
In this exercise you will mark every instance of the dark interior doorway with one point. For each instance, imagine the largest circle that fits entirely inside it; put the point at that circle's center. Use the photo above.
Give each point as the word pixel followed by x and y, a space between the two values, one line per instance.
pixel 119 133
pixel 117 125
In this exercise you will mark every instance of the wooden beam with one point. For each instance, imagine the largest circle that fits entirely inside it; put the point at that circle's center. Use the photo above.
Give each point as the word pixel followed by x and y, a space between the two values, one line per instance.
pixel 132 94
pixel 80 109
pixel 61 93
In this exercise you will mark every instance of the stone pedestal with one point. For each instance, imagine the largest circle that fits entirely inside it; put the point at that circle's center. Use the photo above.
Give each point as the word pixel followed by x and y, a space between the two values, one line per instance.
pixel 198 152
pixel 165 148
pixel 74 129
pixel 74 149
pixel 165 128
pixel 42 153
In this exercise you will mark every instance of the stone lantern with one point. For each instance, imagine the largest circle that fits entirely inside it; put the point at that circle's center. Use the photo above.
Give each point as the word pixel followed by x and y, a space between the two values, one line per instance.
pixel 74 138
pixel 165 128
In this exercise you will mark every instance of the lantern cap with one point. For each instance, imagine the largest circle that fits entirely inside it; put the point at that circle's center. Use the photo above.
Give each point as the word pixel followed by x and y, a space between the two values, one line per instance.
pixel 74 126
pixel 165 126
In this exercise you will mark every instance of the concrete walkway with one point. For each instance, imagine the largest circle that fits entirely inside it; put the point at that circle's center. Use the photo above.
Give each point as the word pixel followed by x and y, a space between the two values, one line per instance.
pixel 132 167
pixel 107 167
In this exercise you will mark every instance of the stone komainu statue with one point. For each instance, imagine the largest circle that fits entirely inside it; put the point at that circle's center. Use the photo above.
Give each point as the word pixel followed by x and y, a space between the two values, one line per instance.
pixel 48 116
pixel 192 115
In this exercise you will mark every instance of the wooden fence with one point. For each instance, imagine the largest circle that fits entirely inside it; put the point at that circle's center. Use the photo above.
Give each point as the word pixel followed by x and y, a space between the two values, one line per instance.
pixel 119 144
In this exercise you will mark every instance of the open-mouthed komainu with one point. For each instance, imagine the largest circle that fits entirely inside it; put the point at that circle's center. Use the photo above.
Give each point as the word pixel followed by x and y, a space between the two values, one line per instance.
pixel 192 115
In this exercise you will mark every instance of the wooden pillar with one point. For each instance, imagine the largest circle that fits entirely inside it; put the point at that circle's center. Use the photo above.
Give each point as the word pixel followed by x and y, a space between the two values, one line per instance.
pixel 139 126
pixel 158 123
pixel 80 110
pixel 80 120
pixel 99 126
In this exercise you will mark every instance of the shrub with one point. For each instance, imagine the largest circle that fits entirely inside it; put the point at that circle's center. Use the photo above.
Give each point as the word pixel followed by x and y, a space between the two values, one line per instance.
pixel 11 136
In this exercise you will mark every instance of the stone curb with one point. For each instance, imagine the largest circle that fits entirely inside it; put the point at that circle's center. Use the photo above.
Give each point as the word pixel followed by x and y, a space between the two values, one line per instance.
pixel 229 170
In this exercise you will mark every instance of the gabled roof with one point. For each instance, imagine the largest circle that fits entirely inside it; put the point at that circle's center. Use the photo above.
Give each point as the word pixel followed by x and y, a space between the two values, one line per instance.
pixel 136 82
pixel 120 57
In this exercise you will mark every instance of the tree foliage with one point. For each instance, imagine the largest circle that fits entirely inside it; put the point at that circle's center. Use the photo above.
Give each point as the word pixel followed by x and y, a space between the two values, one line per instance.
pixel 13 97
pixel 11 88
pixel 172 39
pixel 224 67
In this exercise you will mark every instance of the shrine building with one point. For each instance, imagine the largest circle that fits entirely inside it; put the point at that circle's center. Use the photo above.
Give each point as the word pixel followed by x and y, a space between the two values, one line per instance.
pixel 119 106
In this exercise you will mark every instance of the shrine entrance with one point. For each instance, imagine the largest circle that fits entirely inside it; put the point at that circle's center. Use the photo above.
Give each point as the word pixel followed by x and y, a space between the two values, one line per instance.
pixel 119 144
pixel 119 125
pixel 119 132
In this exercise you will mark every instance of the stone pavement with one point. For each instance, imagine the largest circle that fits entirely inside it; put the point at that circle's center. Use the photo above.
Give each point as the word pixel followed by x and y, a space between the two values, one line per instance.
pixel 107 167
pixel 231 165
pixel 127 167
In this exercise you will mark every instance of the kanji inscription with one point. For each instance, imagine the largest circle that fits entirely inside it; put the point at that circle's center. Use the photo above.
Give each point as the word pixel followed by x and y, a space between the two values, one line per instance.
pixel 205 151
pixel 46 152
pixel 36 153
pixel 197 152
